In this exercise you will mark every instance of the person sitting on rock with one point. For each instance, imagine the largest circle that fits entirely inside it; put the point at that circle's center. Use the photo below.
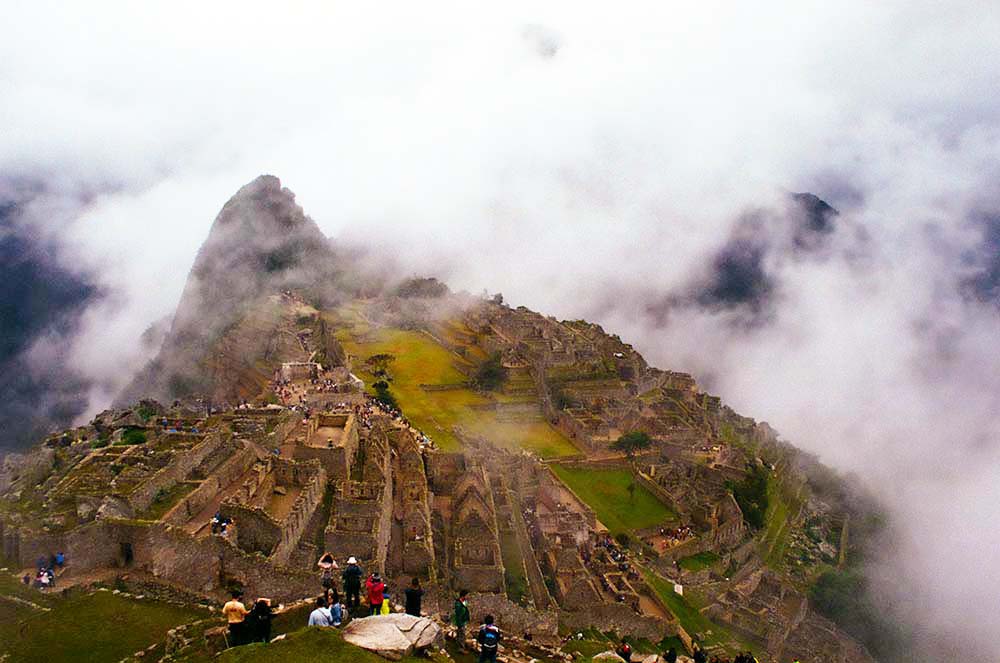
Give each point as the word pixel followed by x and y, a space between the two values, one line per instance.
pixel 321 615
pixel 489 640
pixel 337 611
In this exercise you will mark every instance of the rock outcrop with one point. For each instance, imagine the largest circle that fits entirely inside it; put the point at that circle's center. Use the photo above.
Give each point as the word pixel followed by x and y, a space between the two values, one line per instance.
pixel 392 636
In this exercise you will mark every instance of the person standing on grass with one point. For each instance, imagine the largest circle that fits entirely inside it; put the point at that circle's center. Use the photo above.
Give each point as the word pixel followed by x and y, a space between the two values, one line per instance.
pixel 352 582
pixel 414 597
pixel 235 613
pixel 376 593
pixel 489 640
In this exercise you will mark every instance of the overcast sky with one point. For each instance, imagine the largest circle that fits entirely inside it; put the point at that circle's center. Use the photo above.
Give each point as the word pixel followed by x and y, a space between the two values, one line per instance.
pixel 624 162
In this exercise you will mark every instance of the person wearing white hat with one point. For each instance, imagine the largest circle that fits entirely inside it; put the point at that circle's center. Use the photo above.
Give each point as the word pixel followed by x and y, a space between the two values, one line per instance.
pixel 352 576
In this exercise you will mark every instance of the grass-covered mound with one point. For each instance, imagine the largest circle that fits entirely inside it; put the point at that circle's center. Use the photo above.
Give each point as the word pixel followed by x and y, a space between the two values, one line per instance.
pixel 606 491
pixel 313 644
pixel 95 627
pixel 417 359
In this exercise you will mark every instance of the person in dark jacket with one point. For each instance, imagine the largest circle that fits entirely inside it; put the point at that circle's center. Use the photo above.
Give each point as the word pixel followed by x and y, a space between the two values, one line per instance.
pixel 460 615
pixel 489 640
pixel 670 656
pixel 257 625
pixel 699 655
pixel 414 597
pixel 352 576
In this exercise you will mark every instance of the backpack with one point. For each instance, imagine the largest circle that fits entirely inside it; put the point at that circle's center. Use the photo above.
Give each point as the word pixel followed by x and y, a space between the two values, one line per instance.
pixel 489 637
pixel 327 580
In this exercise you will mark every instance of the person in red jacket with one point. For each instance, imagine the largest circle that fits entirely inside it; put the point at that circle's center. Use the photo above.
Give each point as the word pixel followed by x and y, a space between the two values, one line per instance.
pixel 376 593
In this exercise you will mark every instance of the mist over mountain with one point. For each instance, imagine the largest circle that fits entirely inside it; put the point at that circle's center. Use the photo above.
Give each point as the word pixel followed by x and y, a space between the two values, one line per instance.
pixel 261 243
pixel 41 302
pixel 630 167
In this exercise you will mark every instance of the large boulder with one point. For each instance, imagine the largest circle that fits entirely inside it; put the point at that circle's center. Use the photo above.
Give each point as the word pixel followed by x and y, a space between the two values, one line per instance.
pixel 392 636
pixel 609 657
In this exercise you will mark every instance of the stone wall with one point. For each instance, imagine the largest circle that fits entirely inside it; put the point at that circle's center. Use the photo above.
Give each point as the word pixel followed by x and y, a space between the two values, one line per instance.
pixel 620 619
pixel 180 466
pixel 226 474
pixel 313 481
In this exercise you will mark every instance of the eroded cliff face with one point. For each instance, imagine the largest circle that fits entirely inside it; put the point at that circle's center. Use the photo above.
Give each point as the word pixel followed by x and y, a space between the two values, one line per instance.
pixel 227 323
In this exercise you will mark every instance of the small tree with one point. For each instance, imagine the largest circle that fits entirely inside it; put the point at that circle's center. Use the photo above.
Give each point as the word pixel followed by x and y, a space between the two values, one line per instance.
pixel 378 364
pixel 632 442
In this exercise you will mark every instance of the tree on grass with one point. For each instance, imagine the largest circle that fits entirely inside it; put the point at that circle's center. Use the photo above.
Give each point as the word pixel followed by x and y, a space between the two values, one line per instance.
pixel 378 364
pixel 383 396
pixel 491 374
pixel 632 442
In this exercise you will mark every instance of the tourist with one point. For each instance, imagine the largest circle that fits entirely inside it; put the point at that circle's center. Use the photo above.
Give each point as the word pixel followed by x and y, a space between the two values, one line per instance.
pixel 376 593
pixel 461 616
pixel 60 559
pixel 699 655
pixel 624 650
pixel 258 622
pixel 671 655
pixel 337 612
pixel 352 582
pixel 489 640
pixel 414 596
pixel 321 615
pixel 235 613
pixel 26 579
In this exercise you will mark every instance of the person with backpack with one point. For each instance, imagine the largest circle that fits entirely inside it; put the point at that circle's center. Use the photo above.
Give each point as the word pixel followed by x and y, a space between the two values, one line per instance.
pixel 376 593
pixel 624 650
pixel 489 640
pixel 461 616
pixel 352 583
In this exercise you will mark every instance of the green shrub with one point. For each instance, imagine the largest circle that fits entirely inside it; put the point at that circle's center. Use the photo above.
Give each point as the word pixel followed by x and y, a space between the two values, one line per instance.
pixel 133 436
pixel 491 374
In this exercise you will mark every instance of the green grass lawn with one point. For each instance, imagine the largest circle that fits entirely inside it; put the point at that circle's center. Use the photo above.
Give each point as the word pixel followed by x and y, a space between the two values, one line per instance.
pixel 702 560
pixel 514 574
pixel 421 360
pixel 99 627
pixel 606 492
pixel 316 645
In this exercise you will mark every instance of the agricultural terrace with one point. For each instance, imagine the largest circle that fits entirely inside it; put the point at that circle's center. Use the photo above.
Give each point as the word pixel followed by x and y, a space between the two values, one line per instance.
pixel 420 360
pixel 607 492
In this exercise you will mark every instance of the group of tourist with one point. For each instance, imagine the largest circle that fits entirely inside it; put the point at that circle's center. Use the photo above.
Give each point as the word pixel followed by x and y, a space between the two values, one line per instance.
pixel 220 524
pixel 245 626
pixel 45 571
pixel 701 657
